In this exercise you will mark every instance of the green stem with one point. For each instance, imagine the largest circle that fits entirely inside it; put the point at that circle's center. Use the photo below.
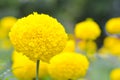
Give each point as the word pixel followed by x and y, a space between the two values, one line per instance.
pixel 37 70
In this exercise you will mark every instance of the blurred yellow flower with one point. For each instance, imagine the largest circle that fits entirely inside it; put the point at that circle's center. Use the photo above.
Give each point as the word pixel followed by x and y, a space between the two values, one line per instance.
pixel 112 44
pixel 87 46
pixel 70 46
pixel 68 66
pixel 3 33
pixel 8 22
pixel 110 41
pixel 24 69
pixel 113 25
pixel 115 74
pixel 87 30
pixel 38 36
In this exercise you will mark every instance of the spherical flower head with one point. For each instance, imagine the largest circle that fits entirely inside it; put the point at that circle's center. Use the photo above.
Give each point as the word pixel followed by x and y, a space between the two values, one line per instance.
pixel 70 46
pixel 87 30
pixel 113 25
pixel 115 74
pixel 23 68
pixel 38 36
pixel 8 22
pixel 68 66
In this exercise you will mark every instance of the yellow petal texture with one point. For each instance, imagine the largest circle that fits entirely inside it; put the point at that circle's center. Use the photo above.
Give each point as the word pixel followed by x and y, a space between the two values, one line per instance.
pixel 38 36
pixel 25 69
pixel 115 74
pixel 113 25
pixel 68 66
pixel 87 30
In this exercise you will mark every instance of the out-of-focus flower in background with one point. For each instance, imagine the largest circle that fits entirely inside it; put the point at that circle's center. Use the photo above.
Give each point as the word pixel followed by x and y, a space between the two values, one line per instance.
pixel 115 74
pixel 112 44
pixel 87 30
pixel 113 25
pixel 24 69
pixel 88 47
pixel 68 65
pixel 5 24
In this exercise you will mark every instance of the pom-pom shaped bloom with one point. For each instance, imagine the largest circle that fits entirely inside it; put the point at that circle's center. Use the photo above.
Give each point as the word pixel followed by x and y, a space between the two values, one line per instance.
pixel 115 74
pixel 70 46
pixel 87 29
pixel 113 26
pixel 38 36
pixel 68 66
pixel 8 22
pixel 24 69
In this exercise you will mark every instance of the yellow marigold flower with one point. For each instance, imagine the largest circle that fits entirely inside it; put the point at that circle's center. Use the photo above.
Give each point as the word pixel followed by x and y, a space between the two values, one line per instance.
pixel 87 30
pixel 38 36
pixel 113 25
pixel 112 44
pixel 87 46
pixel 115 74
pixel 8 22
pixel 70 46
pixel 24 69
pixel 68 66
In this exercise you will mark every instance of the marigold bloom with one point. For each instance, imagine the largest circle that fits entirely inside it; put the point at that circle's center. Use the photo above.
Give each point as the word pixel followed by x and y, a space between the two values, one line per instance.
pixel 38 36
pixel 113 25
pixel 68 66
pixel 115 74
pixel 23 68
pixel 87 30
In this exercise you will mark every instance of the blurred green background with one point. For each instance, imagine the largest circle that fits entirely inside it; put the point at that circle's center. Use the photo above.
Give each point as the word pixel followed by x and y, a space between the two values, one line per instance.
pixel 68 12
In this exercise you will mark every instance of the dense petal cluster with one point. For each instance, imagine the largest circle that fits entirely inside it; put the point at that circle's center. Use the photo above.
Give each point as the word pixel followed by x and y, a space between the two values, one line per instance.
pixel 38 36
pixel 68 66
pixel 24 69
pixel 115 74
pixel 87 29
pixel 113 26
